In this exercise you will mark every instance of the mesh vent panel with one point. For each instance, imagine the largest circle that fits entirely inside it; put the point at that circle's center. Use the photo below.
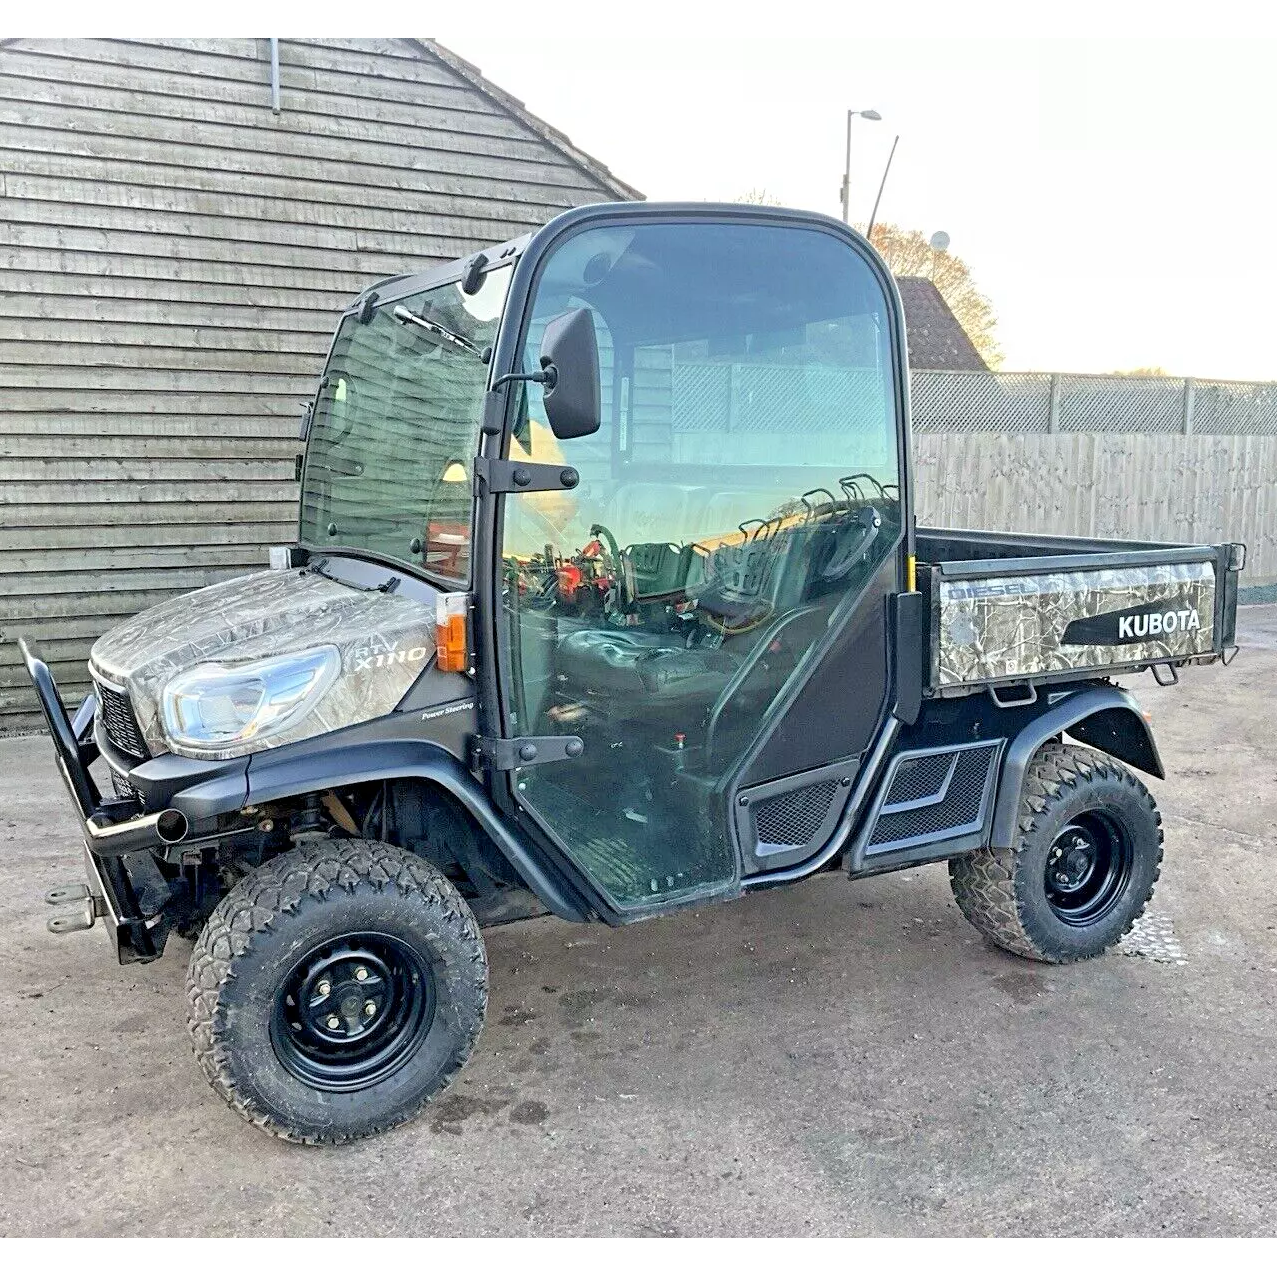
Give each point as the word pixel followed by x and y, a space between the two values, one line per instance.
pixel 795 817
pixel 960 809
pixel 917 778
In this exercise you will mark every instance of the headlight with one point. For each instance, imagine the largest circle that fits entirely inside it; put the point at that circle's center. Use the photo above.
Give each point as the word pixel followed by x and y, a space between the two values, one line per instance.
pixel 213 706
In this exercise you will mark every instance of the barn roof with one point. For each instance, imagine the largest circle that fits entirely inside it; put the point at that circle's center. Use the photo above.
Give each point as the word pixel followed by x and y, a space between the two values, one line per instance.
pixel 936 338
pixel 513 106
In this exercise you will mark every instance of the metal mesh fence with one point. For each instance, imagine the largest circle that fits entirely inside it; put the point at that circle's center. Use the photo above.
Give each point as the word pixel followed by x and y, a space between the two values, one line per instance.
pixel 745 398
pixel 1019 403
pixel 1235 408
pixel 961 402
pixel 753 398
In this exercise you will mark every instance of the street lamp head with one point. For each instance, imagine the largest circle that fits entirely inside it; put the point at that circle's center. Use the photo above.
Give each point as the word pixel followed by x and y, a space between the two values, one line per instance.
pixel 869 115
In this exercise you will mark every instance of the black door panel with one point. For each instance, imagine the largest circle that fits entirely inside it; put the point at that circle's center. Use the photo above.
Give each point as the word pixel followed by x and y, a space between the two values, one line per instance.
pixel 836 712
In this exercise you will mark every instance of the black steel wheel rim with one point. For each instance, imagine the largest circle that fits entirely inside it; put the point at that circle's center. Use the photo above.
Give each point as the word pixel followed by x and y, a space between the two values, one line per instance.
pixel 1088 868
pixel 353 1011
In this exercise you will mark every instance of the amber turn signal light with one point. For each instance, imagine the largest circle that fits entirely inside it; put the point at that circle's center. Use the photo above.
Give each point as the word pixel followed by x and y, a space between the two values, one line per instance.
pixel 452 645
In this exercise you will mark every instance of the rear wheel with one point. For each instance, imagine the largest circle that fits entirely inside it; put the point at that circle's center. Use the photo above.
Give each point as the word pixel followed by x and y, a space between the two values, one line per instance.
pixel 1088 853
pixel 335 990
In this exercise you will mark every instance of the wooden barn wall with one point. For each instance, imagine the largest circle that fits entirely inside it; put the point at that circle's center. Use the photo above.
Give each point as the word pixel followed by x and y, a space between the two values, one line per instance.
pixel 173 257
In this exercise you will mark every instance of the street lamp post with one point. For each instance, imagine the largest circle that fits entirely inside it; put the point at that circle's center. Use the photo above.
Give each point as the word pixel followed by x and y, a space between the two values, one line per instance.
pixel 846 173
pixel 873 217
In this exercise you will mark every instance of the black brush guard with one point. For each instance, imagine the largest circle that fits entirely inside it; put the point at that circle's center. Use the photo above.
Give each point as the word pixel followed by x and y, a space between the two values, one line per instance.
pixel 112 828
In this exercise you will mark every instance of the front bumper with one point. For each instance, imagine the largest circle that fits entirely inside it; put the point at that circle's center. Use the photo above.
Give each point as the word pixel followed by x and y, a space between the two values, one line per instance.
pixel 116 830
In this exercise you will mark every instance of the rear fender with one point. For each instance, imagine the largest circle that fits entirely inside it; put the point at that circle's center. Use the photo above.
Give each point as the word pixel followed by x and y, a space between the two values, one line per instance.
pixel 1106 718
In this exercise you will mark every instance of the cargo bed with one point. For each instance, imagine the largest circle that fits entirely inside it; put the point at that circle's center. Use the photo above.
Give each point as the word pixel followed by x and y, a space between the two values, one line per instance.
pixel 1007 610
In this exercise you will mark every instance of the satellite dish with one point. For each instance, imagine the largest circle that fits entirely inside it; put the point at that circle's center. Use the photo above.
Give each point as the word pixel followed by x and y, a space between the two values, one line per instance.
pixel 940 241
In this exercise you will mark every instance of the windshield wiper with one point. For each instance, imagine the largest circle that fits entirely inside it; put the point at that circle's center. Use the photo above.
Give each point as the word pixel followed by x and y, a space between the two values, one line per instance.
pixel 320 568
pixel 405 316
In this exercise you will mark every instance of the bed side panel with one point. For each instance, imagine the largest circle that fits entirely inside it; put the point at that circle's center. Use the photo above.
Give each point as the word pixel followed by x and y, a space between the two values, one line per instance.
pixel 1018 626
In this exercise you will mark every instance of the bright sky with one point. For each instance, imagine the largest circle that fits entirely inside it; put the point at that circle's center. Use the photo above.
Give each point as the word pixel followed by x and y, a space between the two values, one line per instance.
pixel 1114 198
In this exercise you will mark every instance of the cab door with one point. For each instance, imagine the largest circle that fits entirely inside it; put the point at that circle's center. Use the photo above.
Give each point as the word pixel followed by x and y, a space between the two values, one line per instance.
pixel 733 538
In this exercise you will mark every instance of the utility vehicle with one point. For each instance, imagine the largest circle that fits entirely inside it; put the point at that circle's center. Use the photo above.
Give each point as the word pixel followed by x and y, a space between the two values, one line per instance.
pixel 607 600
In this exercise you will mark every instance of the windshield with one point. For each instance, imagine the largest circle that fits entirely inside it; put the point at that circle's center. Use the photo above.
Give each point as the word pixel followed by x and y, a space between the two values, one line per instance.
pixel 396 428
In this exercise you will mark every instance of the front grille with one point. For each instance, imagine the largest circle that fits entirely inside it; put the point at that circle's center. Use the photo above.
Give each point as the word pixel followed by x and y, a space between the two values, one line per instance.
pixel 123 787
pixel 934 796
pixel 118 720
pixel 794 818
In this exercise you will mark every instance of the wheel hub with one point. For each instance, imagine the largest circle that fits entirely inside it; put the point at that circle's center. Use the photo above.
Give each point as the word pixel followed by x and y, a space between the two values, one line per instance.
pixel 353 1011
pixel 1073 862
pixel 344 995
pixel 1087 868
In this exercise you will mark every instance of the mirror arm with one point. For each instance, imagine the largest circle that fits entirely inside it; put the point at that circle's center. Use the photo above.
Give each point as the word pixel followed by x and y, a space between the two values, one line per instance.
pixel 547 377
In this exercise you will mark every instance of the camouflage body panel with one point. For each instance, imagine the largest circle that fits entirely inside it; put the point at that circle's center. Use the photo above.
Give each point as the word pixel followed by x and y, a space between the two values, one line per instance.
pixel 384 640
pixel 996 628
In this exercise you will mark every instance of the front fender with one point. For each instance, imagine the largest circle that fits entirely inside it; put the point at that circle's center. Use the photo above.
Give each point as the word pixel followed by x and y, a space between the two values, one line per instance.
pixel 1106 718
pixel 274 776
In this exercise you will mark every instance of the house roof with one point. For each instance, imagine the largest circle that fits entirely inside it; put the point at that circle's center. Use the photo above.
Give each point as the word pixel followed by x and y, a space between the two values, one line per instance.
pixel 510 104
pixel 936 338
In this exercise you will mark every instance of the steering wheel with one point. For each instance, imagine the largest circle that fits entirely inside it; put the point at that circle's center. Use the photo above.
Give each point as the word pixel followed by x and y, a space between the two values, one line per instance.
pixel 598 530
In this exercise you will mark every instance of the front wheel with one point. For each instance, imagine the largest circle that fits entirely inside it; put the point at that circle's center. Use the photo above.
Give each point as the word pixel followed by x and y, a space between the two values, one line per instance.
pixel 335 990
pixel 1088 853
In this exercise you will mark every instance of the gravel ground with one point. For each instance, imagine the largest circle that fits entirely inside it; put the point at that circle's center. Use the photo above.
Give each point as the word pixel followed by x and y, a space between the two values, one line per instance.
pixel 834 1058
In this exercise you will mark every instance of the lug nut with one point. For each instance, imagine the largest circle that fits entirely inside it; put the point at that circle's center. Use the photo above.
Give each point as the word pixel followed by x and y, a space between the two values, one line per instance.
pixel 370 1008
pixel 323 988
pixel 334 1022
pixel 361 973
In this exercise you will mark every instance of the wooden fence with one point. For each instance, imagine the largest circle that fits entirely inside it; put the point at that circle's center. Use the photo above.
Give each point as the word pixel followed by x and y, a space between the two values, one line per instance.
pixel 1158 487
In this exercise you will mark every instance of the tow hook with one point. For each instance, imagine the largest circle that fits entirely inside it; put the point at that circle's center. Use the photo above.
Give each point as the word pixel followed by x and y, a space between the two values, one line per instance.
pixel 82 919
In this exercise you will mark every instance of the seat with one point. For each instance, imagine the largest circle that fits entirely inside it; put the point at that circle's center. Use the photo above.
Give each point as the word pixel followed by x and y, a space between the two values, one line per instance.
pixel 648 512
pixel 656 571
pixel 648 667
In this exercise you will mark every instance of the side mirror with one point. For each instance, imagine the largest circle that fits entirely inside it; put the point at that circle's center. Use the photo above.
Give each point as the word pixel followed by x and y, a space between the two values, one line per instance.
pixel 570 364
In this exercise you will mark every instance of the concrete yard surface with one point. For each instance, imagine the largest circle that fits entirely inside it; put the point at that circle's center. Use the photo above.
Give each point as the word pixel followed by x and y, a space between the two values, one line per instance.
pixel 838 1057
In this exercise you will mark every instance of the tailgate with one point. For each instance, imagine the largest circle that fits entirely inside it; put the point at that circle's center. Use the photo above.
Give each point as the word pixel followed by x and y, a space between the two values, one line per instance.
pixel 1017 620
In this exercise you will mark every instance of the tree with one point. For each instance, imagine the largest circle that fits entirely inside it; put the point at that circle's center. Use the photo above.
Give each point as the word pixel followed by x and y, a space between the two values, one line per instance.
pixel 1139 372
pixel 758 195
pixel 909 253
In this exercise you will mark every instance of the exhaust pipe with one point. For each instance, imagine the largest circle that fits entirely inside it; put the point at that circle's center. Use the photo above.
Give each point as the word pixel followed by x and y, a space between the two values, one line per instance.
pixel 168 827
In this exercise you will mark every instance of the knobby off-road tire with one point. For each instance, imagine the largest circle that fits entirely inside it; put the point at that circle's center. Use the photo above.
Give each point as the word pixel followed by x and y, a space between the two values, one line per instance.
pixel 336 952
pixel 1023 898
